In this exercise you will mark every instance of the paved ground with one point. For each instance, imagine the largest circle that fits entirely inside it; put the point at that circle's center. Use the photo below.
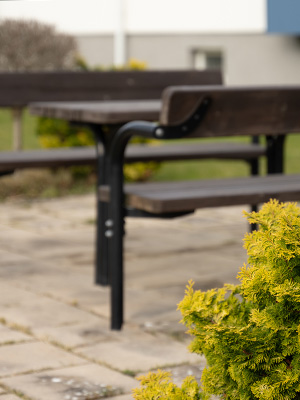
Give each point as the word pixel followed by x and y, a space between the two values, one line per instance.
pixel 55 342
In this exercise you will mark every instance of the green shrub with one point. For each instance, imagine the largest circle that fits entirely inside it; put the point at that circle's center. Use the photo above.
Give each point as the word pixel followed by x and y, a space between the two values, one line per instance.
pixel 250 333
pixel 57 133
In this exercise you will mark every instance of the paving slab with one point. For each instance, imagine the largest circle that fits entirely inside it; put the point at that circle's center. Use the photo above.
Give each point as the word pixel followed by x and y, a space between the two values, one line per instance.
pixel 9 397
pixel 177 269
pixel 79 334
pixel 46 286
pixel 47 246
pixel 47 213
pixel 34 311
pixel 9 336
pixel 24 357
pixel 75 383
pixel 72 286
pixel 138 352
pixel 170 238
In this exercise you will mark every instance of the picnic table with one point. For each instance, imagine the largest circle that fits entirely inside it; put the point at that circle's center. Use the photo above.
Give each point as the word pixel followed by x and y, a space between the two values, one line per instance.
pixel 96 114
pixel 115 115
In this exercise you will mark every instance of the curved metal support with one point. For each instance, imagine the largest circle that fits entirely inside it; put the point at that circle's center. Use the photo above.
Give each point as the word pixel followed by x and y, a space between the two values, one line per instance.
pixel 116 214
pixel 187 126
pixel 116 205
pixel 121 138
pixel 156 131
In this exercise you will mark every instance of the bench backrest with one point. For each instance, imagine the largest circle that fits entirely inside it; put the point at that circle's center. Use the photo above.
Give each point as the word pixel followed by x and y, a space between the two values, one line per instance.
pixel 235 111
pixel 20 89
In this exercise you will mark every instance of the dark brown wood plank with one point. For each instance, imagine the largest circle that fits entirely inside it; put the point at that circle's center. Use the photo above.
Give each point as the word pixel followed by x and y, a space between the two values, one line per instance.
pixel 236 111
pixel 194 151
pixel 47 158
pixel 134 153
pixel 101 112
pixel 183 196
pixel 19 89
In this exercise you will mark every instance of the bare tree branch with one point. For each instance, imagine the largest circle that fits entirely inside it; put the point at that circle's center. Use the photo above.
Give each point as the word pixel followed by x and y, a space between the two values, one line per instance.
pixel 32 46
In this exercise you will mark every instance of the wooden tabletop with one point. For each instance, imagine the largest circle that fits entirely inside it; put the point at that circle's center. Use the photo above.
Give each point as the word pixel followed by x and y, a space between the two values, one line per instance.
pixel 101 112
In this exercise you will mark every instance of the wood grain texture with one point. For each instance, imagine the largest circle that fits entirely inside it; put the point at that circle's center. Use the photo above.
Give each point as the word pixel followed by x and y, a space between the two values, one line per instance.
pixel 100 112
pixel 19 89
pixel 235 111
pixel 190 195
pixel 134 153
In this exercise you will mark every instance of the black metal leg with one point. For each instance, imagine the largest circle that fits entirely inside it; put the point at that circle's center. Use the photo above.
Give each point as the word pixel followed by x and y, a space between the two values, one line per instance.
pixel 101 261
pixel 103 138
pixel 102 232
pixel 275 154
pixel 254 207
pixel 254 167
pixel 116 249
pixel 253 227
pixel 116 214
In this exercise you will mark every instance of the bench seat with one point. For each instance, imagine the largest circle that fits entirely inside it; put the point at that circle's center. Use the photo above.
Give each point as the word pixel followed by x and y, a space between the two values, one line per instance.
pixel 172 197
pixel 189 112
pixel 10 160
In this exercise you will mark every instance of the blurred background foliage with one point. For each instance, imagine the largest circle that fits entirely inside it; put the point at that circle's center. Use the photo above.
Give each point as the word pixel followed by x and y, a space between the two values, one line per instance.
pixel 57 133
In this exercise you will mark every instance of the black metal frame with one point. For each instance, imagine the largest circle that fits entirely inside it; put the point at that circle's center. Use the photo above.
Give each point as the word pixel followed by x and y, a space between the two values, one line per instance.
pixel 275 161
pixel 110 228
pixel 116 212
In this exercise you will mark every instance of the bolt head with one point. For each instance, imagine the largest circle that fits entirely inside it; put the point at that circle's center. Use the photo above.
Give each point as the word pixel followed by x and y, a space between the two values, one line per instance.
pixel 159 132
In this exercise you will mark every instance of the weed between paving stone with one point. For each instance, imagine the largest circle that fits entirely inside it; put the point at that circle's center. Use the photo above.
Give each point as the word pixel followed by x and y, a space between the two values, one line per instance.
pixel 79 389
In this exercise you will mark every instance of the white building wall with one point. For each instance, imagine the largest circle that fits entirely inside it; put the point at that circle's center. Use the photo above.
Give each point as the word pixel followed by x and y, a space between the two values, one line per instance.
pixel 144 16
pixel 247 59
pixel 195 16
pixel 164 34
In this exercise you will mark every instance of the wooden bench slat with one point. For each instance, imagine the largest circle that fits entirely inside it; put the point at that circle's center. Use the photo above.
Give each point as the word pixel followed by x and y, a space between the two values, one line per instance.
pixel 21 88
pixel 192 151
pixel 183 196
pixel 235 111
pixel 134 153
pixel 47 158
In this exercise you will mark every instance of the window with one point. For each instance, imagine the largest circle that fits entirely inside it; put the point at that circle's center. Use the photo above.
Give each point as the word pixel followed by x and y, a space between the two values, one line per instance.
pixel 203 59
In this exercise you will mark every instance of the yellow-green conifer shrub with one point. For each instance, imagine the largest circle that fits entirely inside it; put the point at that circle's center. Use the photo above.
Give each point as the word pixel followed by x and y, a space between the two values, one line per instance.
pixel 158 385
pixel 250 333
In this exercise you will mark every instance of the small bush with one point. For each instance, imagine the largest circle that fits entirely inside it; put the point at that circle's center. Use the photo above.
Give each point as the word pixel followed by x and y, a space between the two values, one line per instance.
pixel 57 133
pixel 250 333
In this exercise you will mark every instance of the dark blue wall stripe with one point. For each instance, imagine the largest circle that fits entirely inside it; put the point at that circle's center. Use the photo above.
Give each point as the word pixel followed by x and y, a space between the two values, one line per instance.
pixel 283 16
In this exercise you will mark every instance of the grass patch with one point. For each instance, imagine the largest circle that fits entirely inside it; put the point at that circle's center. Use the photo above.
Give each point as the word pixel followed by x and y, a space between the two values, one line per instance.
pixel 30 139
pixel 210 169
